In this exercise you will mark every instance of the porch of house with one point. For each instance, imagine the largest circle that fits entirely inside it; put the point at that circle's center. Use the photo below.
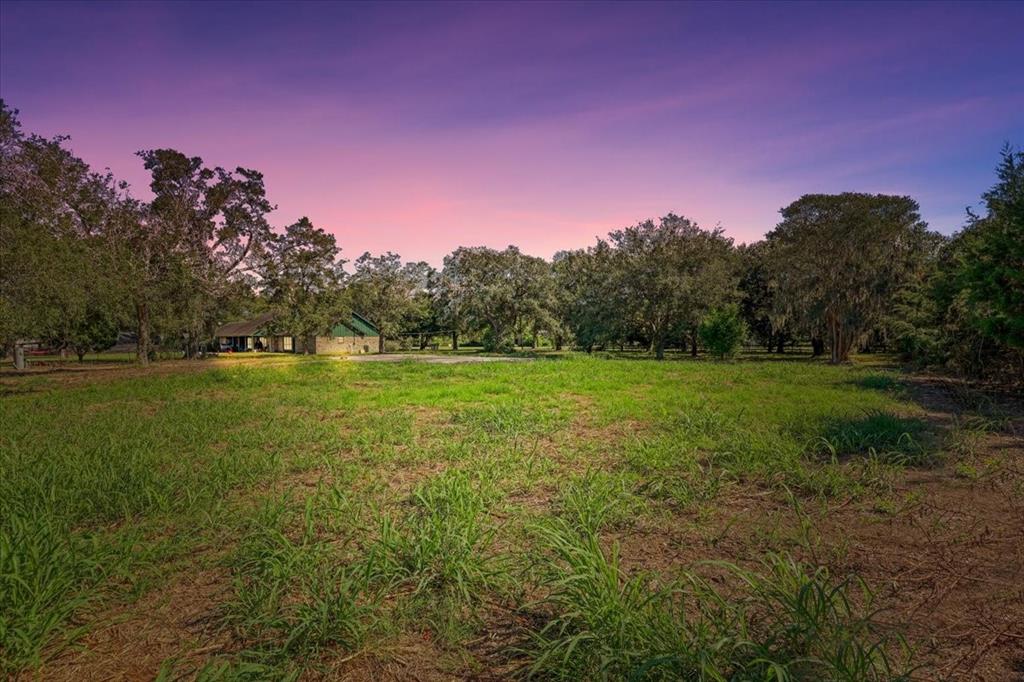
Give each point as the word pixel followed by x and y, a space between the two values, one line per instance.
pixel 244 344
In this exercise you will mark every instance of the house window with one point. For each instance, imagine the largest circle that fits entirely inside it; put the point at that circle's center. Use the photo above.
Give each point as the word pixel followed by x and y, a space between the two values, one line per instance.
pixel 287 344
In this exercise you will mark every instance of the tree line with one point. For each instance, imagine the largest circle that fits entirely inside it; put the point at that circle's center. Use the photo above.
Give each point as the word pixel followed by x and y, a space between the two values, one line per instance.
pixel 83 259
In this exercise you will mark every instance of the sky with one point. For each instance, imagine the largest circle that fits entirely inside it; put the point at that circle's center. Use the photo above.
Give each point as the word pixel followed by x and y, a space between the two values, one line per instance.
pixel 417 128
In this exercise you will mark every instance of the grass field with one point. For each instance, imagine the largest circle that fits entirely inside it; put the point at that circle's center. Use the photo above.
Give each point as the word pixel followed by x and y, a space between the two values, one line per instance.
pixel 565 518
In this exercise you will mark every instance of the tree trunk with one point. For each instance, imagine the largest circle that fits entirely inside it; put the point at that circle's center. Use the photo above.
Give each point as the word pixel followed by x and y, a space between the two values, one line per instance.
pixel 817 347
pixel 19 356
pixel 558 342
pixel 536 341
pixel 781 345
pixel 380 343
pixel 81 355
pixel 194 341
pixel 659 348
pixel 840 342
pixel 498 333
pixel 455 340
pixel 423 341
pixel 833 327
pixel 693 346
pixel 143 342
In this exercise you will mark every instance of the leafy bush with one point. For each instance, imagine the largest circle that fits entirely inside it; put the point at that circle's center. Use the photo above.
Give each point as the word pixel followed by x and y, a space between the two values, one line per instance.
pixel 722 331
pixel 498 342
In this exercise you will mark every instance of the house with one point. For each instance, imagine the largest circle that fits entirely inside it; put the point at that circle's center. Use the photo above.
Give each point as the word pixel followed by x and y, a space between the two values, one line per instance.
pixel 356 335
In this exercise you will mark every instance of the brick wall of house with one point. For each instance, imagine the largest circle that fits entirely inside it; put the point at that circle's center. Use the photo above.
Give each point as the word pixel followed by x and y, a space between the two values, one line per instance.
pixel 301 343
pixel 345 345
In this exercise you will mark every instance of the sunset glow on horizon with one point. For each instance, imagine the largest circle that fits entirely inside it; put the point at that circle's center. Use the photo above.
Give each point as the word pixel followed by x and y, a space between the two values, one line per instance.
pixel 417 128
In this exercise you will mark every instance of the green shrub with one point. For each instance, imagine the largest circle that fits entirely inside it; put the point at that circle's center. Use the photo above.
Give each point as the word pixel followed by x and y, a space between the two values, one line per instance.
pixel 498 343
pixel 722 331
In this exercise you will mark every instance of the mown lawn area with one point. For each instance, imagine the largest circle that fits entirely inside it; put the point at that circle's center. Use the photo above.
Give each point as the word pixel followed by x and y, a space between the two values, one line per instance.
pixel 568 517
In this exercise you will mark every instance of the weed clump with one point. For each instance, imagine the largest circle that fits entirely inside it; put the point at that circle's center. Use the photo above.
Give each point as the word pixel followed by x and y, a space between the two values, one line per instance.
pixel 879 435
pixel 442 543
pixel 597 500
pixel 294 597
pixel 785 621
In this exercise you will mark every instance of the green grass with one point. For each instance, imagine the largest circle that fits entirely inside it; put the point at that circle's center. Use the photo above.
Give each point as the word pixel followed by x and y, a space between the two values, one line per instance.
pixel 294 597
pixel 782 621
pixel 353 504
pixel 441 544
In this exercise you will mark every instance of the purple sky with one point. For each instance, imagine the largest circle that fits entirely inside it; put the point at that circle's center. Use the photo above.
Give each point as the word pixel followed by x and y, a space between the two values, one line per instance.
pixel 420 127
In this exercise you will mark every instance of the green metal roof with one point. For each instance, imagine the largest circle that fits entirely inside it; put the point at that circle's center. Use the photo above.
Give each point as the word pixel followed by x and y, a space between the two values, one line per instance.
pixel 364 326
pixel 357 326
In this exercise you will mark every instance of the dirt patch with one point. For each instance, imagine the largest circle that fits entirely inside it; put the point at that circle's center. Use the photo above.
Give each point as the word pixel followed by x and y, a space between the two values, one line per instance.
pixel 176 620
pixel 946 565
pixel 950 567
pixel 404 479
pixel 945 562
pixel 416 657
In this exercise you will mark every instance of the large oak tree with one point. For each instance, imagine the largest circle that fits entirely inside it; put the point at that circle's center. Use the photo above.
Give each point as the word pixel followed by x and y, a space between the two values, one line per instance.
pixel 840 258
pixel 207 222
pixel 389 292
pixel 301 277
pixel 500 292
pixel 55 279
pixel 669 274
